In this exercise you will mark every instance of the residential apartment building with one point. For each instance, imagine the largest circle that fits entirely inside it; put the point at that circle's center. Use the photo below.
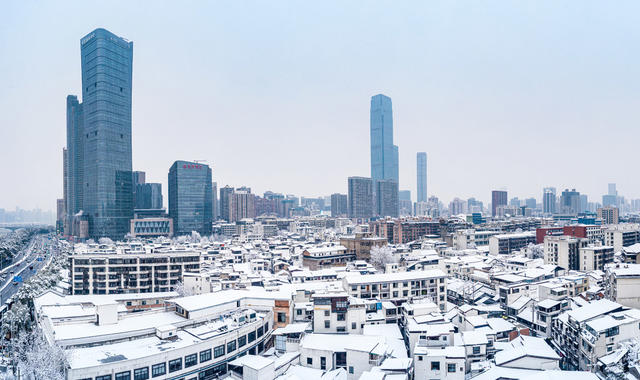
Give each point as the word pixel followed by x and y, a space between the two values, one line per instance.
pixel 140 272
pixel 595 257
pixel 400 287
pixel 563 251
pixel 622 235
pixel 507 243
pixel 622 284
pixel 326 257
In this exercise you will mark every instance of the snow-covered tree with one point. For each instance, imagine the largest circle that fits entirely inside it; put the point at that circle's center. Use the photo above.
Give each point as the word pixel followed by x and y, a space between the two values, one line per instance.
pixel 36 359
pixel 105 241
pixel 182 290
pixel 381 256
pixel 535 251
pixel 195 237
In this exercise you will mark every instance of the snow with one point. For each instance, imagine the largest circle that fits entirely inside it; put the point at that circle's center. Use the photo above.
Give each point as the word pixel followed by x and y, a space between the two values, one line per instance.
pixel 526 346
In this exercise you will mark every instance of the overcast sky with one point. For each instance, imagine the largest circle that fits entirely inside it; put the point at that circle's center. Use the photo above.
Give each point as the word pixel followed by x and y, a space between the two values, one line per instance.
pixel 275 94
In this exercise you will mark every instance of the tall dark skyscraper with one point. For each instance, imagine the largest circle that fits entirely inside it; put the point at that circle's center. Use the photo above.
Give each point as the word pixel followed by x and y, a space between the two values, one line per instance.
pixel 107 63
pixel 387 198
pixel 570 202
pixel 214 201
pixel 549 200
pixel 148 196
pixel 339 205
pixel 190 198
pixel 360 197
pixel 74 181
pixel 384 155
pixel 422 176
pixel 498 198
pixel 226 203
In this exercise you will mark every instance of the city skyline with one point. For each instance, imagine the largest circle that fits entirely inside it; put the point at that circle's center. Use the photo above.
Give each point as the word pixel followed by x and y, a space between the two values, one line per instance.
pixel 430 116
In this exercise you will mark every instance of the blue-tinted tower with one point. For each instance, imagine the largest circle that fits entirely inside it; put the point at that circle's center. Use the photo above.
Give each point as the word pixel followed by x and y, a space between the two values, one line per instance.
pixel 190 198
pixel 421 158
pixel 107 64
pixel 384 155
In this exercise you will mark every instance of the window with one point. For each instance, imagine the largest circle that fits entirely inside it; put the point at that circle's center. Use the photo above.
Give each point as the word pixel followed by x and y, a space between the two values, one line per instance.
pixel 341 316
pixel 435 366
pixel 218 351
pixel 104 377
pixel 309 361
pixel 252 336
pixel 141 373
pixel 205 355
pixel 351 369
pixel 327 313
pixel 419 358
pixel 282 317
pixel 190 360
pixel 476 350
pixel 323 363
pixel 175 365
pixel 299 312
pixel 158 369
pixel 242 341
pixel 231 346
pixel 353 325
pixel 451 367
pixel 260 332
pixel 327 324
pixel 123 375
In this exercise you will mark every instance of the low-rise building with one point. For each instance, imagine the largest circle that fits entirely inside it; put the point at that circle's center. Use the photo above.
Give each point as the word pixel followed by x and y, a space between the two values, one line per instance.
pixel 506 243
pixel 399 287
pixel 622 284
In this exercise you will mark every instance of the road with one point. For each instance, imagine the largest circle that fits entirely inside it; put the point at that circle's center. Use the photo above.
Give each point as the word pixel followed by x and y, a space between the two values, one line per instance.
pixel 39 246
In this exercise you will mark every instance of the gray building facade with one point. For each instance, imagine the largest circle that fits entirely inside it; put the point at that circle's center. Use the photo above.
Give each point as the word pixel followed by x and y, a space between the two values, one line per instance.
pixel 339 205
pixel 387 198
pixel 360 197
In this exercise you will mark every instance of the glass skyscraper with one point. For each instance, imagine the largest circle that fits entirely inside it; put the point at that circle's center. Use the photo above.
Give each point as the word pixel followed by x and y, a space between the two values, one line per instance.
pixel 422 176
pixel 74 181
pixel 384 155
pixel 107 63
pixel 190 198
pixel 360 197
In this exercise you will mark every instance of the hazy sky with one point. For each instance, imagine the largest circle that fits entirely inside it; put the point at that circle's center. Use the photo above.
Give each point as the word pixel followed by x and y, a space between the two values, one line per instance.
pixel 275 94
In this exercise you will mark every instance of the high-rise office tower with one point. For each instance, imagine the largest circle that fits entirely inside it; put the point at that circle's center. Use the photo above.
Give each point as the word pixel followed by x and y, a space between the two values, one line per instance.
pixel 243 204
pixel 570 202
pixel 387 198
pixel 384 155
pixel 148 196
pixel 422 176
pixel 74 182
pixel 549 200
pixel 226 203
pixel 190 197
pixel 360 197
pixel 612 189
pixel 338 205
pixel 107 63
pixel 214 202
pixel 498 198
pixel 530 203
